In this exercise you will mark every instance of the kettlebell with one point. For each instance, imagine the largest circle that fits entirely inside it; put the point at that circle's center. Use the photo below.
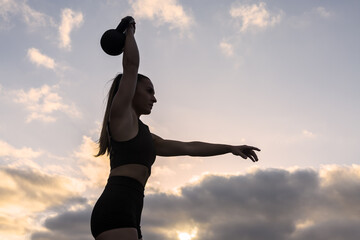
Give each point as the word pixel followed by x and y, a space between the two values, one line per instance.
pixel 113 40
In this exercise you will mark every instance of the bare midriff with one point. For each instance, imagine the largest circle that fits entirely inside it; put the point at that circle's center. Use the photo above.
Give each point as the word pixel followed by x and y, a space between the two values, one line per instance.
pixel 137 171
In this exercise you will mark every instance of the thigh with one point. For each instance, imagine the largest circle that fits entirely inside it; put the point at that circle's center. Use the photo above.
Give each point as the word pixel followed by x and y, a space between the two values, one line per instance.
pixel 119 233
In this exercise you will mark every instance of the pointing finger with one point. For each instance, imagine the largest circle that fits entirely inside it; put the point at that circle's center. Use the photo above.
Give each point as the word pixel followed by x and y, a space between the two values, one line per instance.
pixel 244 156
pixel 255 156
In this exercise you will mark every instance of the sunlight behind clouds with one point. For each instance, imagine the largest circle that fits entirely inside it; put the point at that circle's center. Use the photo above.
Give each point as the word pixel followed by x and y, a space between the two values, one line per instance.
pixel 95 169
pixel 186 235
pixel 7 150
pixel 25 193
pixel 224 207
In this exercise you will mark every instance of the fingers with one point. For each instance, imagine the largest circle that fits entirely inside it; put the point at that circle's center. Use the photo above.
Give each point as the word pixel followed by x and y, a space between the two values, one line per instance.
pixel 252 155
pixel 253 148
pixel 244 156
pixel 131 28
pixel 128 24
pixel 252 159
pixel 246 152
pixel 132 24
pixel 249 152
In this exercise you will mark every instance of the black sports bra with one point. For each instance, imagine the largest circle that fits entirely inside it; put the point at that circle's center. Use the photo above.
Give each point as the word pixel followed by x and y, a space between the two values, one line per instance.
pixel 138 150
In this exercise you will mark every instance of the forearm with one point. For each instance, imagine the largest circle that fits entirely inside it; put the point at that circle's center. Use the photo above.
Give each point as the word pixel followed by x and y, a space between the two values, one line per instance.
pixel 202 149
pixel 131 58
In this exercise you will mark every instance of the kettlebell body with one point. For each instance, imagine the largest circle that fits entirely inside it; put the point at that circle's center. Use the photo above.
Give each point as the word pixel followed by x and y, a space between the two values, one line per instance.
pixel 113 40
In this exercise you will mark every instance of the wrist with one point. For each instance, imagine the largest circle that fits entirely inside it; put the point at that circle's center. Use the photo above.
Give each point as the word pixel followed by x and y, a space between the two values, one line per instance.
pixel 230 148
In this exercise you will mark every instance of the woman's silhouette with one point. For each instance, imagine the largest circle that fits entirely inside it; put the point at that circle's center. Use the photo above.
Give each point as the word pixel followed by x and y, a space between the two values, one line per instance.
pixel 132 149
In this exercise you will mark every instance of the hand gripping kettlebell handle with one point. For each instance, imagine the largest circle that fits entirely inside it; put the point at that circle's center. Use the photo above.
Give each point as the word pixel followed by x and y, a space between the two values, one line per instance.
pixel 124 24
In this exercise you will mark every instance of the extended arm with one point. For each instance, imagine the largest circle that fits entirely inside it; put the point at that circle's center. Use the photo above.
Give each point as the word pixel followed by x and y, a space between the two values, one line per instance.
pixel 176 148
pixel 131 58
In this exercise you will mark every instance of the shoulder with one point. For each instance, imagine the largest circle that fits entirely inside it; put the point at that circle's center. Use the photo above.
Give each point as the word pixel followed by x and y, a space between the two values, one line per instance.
pixel 156 137
pixel 157 140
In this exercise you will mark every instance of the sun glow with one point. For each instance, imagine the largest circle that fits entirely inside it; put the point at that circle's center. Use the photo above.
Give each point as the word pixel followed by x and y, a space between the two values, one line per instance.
pixel 186 235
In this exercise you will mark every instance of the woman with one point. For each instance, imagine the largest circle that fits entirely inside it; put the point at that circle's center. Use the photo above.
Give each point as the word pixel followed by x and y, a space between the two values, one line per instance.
pixel 132 149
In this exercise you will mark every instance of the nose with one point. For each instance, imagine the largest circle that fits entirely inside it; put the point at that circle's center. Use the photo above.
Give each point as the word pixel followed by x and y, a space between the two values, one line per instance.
pixel 154 99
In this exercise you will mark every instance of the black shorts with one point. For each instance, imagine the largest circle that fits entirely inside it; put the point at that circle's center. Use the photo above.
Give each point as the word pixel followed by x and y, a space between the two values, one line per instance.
pixel 119 206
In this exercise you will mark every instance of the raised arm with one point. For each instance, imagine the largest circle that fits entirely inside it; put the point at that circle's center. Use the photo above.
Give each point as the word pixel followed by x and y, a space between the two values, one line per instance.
pixel 121 104
pixel 168 148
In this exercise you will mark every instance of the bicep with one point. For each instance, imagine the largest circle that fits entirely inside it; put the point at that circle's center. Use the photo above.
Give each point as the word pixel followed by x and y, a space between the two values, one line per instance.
pixel 167 148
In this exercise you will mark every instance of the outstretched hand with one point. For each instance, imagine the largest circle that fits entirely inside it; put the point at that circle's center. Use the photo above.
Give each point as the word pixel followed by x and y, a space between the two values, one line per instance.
pixel 245 152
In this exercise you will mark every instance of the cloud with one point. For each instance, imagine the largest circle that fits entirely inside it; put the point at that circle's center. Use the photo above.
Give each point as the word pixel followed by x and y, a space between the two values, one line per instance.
pixel 43 102
pixel 308 134
pixel 322 12
pixel 69 21
pixel 263 204
pixel 6 150
pixel 26 195
pixel 266 204
pixel 308 17
pixel 33 196
pixel 69 225
pixel 32 18
pixel 8 8
pixel 40 189
pixel 40 59
pixel 226 48
pixel 162 12
pixel 254 16
pixel 95 169
pixel 162 170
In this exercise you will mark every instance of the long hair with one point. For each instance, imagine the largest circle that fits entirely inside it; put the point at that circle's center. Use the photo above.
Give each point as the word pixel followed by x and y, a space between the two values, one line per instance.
pixel 104 144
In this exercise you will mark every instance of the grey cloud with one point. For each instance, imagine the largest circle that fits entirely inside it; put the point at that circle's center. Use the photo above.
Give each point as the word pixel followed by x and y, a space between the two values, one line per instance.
pixel 67 225
pixel 41 190
pixel 338 229
pixel 267 204
pixel 27 195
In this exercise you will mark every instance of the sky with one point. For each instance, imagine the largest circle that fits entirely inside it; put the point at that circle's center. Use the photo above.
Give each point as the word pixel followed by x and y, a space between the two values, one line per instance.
pixel 281 75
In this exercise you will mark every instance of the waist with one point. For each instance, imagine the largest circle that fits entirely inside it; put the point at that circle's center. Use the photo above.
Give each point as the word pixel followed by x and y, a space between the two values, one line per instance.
pixel 135 171
pixel 126 181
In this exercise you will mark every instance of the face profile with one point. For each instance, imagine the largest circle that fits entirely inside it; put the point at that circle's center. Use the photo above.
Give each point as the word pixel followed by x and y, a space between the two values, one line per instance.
pixel 144 97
